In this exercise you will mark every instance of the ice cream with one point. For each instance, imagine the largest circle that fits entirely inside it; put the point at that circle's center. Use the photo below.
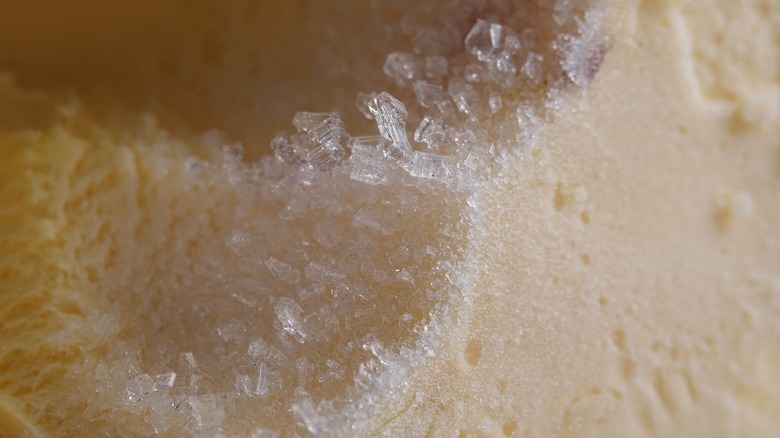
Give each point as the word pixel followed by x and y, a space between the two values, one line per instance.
pixel 540 219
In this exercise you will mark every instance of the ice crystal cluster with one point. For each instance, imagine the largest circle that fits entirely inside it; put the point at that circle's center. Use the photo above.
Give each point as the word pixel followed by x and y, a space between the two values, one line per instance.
pixel 345 262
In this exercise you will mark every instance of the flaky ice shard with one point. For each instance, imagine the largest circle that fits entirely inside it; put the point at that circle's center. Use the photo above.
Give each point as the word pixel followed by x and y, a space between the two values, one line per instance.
pixel 390 115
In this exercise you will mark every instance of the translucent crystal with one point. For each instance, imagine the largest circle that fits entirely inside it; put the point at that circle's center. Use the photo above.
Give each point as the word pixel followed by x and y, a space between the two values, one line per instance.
pixel 495 45
pixel 283 271
pixel 465 97
pixel 233 330
pixel 433 97
pixel 528 122
pixel 189 362
pixel 432 166
pixel 404 275
pixel 327 233
pixel 232 154
pixel 310 416
pixel 264 433
pixel 260 349
pixel 262 386
pixel 288 312
pixel 329 130
pixel 311 291
pixel 368 158
pixel 436 68
pixel 139 387
pixel 334 372
pixel 368 173
pixel 431 132
pixel 362 101
pixel 373 219
pixel 583 54
pixel 322 274
pixel 341 291
pixel 160 414
pixel 305 121
pixel 403 68
pixel 238 242
pixel 495 103
pixel 484 40
pixel 476 73
pixel 207 410
pixel 368 146
pixel 286 151
pixel 532 68
pixel 401 255
pixel 304 369
pixel 390 115
pixel 478 41
pixel 564 11
pixel 325 156
pixel 165 381
pixel 323 148
pixel 244 384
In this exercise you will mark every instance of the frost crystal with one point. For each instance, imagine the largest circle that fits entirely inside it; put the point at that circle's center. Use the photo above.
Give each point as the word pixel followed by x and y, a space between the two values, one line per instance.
pixel 259 349
pixel 403 68
pixel 283 271
pixel 465 97
pixel 307 121
pixel 436 68
pixel 368 146
pixel 496 46
pixel 369 171
pixel 362 101
pixel 390 115
pixel 139 387
pixel 374 220
pixel 341 261
pixel 319 142
pixel 262 387
pixel 368 158
pixel 288 312
pixel 264 433
pixel 325 156
pixel 329 130
pixel 430 132
pixel 533 68
pixel 492 42
pixel 234 330
pixel 164 382
pixel 286 151
pixel 495 103
pixel 239 243
pixel 433 97
pixel 322 274
pixel 207 410
pixel 476 73
pixel 189 362
pixel 311 291
pixel 433 166
pixel 584 53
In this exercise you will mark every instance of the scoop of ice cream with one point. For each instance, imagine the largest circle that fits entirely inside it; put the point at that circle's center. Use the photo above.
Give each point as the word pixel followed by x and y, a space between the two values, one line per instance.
pixel 480 219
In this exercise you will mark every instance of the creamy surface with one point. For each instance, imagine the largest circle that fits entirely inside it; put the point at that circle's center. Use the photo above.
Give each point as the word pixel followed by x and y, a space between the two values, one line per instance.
pixel 611 269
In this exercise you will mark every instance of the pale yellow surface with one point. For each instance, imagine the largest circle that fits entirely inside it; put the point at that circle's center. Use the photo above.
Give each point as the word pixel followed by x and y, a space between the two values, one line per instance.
pixel 629 280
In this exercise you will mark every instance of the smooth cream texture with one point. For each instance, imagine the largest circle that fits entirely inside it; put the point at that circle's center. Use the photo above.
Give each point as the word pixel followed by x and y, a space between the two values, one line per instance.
pixel 634 259
pixel 632 280
pixel 630 262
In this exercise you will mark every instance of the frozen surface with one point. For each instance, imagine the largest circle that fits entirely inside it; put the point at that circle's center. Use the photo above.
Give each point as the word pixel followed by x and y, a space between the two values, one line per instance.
pixel 342 267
